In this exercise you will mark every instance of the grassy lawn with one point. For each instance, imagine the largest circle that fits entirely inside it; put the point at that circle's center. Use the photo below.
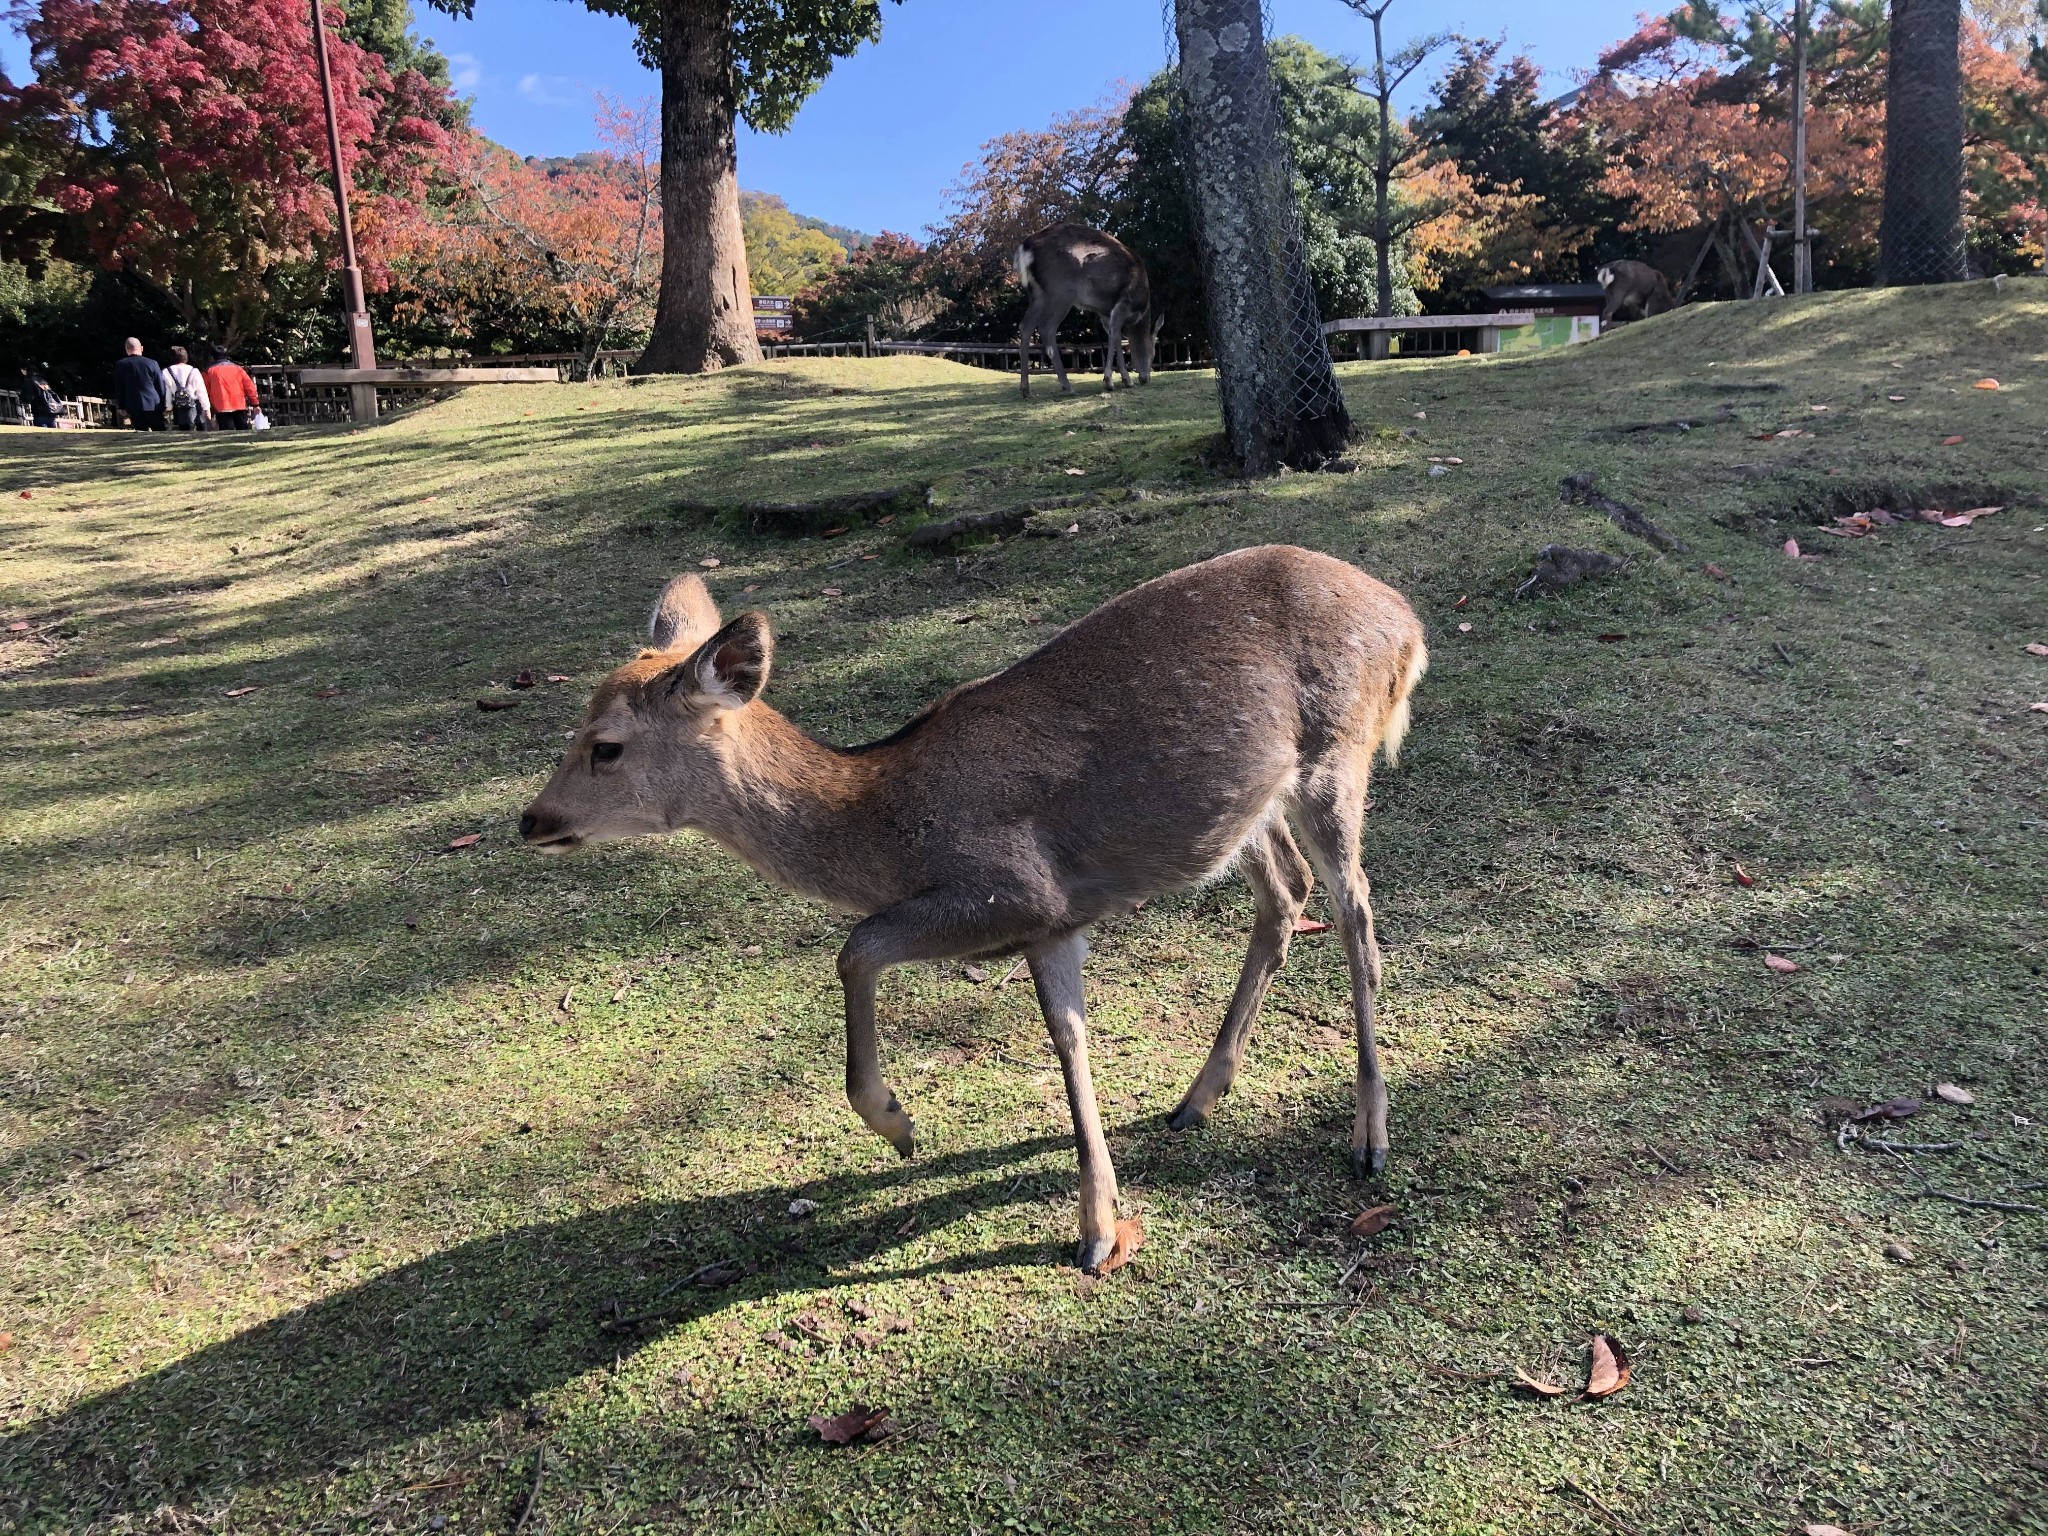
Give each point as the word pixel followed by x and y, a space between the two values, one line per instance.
pixel 352 1182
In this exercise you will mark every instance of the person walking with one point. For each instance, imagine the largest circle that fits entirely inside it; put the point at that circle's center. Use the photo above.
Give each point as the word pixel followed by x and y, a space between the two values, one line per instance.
pixel 186 388
pixel 44 408
pixel 139 389
pixel 232 392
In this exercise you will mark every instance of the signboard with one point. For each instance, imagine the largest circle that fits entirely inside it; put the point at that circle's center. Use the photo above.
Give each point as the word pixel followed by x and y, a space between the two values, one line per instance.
pixel 772 303
pixel 773 322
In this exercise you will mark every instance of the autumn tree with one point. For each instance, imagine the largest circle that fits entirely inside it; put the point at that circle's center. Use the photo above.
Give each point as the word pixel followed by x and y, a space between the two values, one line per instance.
pixel 570 248
pixel 887 281
pixel 721 62
pixel 784 254
pixel 185 143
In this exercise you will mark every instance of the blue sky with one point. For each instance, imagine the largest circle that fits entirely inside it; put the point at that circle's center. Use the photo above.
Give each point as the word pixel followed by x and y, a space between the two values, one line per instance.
pixel 889 131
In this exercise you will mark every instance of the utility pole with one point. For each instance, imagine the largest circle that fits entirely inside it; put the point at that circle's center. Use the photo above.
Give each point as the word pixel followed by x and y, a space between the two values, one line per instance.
pixel 1802 243
pixel 362 349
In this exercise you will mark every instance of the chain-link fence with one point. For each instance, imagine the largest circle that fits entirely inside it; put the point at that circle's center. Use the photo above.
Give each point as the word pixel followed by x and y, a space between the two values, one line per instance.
pixel 1281 403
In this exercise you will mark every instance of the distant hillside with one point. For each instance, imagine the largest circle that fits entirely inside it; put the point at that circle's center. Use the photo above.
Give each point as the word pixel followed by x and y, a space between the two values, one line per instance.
pixel 852 239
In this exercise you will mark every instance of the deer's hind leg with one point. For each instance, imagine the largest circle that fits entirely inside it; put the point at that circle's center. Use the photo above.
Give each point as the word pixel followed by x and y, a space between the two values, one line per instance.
pixel 1280 882
pixel 1113 330
pixel 1331 806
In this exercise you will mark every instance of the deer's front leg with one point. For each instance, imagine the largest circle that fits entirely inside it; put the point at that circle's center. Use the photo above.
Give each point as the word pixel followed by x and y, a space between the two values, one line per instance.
pixel 871 1098
pixel 1056 974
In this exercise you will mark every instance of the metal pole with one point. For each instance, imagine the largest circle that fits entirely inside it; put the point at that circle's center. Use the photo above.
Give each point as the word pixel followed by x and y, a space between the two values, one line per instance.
pixel 1802 246
pixel 362 348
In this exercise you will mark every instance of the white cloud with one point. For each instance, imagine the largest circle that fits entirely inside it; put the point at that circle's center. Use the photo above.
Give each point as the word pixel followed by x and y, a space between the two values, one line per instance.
pixel 466 71
pixel 547 90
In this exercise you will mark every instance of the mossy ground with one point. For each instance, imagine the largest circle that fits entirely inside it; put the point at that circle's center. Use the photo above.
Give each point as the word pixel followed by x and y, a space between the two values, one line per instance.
pixel 330 1155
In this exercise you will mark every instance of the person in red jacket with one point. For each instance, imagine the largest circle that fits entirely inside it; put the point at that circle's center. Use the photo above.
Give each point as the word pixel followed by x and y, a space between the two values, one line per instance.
pixel 232 392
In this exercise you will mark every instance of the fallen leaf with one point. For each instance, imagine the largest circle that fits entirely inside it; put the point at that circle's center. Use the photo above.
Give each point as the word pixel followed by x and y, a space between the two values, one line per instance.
pixel 2036 648
pixel 27 495
pixel 18 627
pixel 1077 471
pixel 1541 1388
pixel 1310 925
pixel 411 922
pixel 1693 1315
pixel 1453 459
pixel 1610 1368
pixel 1949 1093
pixel 328 693
pixel 1964 519
pixel 1464 629
pixel 750 949
pixel 1792 548
pixel 1463 599
pixel 860 1422
pixel 1890 1109
pixel 1419 416
pixel 1880 516
pixel 491 701
pixel 974 973
pixel 1371 1220
pixel 1130 1236
pixel 1951 440
pixel 1714 571
pixel 241 693
pixel 1781 965
pixel 1610 639
pixel 2039 707
pixel 1898 1252
pixel 967 618
pixel 710 562
pixel 1822 1530
pixel 1072 528
pixel 467 840
pixel 883 522
pixel 802 1206
pixel 520 679
pixel 1895 399
pixel 560 677
pixel 831 533
pixel 831 592
pixel 1985 384
pixel 1743 877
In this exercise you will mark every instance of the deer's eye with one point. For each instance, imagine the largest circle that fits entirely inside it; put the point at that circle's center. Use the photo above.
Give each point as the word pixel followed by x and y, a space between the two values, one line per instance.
pixel 606 751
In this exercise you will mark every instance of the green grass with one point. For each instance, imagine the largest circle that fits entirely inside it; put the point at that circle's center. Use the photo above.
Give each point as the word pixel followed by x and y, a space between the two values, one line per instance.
pixel 329 1156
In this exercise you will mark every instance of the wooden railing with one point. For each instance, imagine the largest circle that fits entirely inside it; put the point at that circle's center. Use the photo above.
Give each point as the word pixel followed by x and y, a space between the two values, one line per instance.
pixel 80 411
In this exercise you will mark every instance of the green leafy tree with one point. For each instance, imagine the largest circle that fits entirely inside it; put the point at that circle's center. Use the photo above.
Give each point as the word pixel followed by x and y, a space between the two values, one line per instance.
pixel 784 255
pixel 721 61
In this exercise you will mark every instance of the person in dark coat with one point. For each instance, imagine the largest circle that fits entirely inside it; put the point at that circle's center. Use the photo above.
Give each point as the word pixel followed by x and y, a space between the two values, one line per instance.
pixel 139 389
pixel 44 408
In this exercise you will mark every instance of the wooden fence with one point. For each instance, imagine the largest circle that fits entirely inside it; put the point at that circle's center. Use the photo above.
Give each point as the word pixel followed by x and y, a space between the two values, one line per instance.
pixel 83 411
pixel 1080 357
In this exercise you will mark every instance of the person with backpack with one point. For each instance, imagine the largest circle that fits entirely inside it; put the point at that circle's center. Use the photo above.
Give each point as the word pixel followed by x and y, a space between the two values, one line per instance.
pixel 139 389
pixel 232 392
pixel 186 386
pixel 44 408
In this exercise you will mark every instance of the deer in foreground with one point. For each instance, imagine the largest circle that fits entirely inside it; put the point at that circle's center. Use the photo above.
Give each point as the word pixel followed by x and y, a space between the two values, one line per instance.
pixel 1634 284
pixel 1070 266
pixel 1164 739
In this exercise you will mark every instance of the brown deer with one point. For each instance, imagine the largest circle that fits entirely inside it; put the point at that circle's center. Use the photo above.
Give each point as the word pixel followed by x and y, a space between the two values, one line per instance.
pixel 1167 737
pixel 1637 284
pixel 1070 266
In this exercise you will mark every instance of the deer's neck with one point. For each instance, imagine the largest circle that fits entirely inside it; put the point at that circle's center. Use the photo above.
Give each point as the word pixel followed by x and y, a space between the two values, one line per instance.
pixel 802 814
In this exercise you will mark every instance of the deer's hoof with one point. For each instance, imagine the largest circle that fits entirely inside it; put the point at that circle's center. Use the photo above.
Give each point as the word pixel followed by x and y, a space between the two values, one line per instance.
pixel 1368 1162
pixel 1187 1118
pixel 1093 1253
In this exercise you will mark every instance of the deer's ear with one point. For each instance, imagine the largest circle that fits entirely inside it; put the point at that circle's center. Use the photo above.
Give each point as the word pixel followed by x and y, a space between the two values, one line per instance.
pixel 1158 322
pixel 683 616
pixel 729 670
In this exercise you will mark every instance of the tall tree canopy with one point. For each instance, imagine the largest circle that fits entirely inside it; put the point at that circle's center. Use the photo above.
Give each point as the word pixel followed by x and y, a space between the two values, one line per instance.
pixel 721 61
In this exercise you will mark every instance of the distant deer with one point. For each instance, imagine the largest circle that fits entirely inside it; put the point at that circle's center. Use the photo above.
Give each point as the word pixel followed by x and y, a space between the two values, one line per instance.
pixel 1162 740
pixel 1070 266
pixel 1637 284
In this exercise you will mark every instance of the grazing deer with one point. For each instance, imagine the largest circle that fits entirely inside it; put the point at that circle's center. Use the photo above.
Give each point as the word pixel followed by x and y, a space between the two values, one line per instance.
pixel 1165 738
pixel 1069 266
pixel 1637 284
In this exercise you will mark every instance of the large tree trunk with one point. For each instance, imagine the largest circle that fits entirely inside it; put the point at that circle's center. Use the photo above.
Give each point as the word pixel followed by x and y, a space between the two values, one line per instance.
pixel 704 318
pixel 1281 403
pixel 1921 237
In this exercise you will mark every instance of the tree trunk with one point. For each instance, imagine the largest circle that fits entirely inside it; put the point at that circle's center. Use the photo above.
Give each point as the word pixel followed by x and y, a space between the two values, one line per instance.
pixel 1383 177
pixel 1920 239
pixel 704 317
pixel 1281 403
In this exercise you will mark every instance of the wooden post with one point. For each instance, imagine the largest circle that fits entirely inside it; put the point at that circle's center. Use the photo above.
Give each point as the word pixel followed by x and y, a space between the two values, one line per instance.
pixel 1802 245
pixel 1377 345
pixel 1489 338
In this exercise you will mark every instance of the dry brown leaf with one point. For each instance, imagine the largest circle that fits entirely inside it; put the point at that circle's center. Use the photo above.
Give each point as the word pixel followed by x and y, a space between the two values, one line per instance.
pixel 1610 639
pixel 831 592
pixel 6 1341
pixel 1610 1368
pixel 2036 648
pixel 831 533
pixel 1463 599
pixel 1310 925
pixel 1822 1530
pixel 1985 384
pixel 1880 516
pixel 328 693
pixel 1374 1219
pixel 523 678
pixel 18 627
pixel 1898 1252
pixel 1743 877
pixel 860 1422
pixel 1464 629
pixel 1949 1093
pixel 489 702
pixel 710 562
pixel 2039 707
pixel 1130 1237
pixel 241 693
pixel 467 840
pixel 974 973
pixel 1952 439
pixel 560 677
pixel 1964 519
pixel 1792 548
pixel 1714 571
pixel 1534 1384
pixel 1781 965
pixel 1891 1109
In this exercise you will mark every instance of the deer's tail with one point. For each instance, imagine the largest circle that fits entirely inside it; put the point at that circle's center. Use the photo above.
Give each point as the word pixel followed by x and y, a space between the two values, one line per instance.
pixel 1395 730
pixel 1020 261
pixel 1606 277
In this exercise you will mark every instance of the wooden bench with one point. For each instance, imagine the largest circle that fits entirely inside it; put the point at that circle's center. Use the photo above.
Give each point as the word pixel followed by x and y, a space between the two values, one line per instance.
pixel 1380 328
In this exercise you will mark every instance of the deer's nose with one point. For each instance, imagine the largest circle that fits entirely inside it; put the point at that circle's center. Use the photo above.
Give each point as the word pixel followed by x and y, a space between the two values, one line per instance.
pixel 527 822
